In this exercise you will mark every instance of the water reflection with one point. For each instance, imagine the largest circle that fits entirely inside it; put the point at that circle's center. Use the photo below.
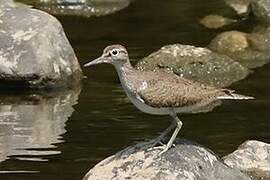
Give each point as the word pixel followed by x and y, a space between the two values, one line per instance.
pixel 30 124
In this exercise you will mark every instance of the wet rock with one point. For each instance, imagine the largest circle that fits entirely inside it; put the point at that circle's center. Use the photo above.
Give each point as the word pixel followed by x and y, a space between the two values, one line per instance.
pixel 240 6
pixel 261 9
pixel 260 38
pixel 242 47
pixel 252 157
pixel 34 51
pixel 230 42
pixel 186 160
pixel 214 21
pixel 32 123
pixel 85 8
pixel 195 63
pixel 6 3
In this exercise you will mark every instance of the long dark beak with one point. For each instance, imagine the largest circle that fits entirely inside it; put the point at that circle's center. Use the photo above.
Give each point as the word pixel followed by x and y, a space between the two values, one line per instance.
pixel 96 61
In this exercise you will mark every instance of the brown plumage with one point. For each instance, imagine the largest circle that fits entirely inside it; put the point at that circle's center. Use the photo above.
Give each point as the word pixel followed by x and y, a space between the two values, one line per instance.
pixel 160 89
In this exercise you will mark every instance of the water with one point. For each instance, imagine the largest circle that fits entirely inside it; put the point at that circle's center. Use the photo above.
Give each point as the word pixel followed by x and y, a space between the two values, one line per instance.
pixel 62 135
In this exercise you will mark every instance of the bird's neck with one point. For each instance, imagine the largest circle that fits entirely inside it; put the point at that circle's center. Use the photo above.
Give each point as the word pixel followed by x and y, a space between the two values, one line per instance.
pixel 125 72
pixel 124 68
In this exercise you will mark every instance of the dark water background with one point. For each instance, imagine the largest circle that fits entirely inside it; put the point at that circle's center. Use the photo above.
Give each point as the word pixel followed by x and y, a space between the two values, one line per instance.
pixel 63 142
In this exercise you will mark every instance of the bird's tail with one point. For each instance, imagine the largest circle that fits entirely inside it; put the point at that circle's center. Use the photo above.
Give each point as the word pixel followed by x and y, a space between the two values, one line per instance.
pixel 231 95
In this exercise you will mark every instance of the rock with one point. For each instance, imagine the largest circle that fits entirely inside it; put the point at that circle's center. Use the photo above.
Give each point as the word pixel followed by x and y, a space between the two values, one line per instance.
pixel 240 6
pixel 34 51
pixel 260 38
pixel 261 10
pixel 186 160
pixel 241 47
pixel 32 123
pixel 252 157
pixel 230 42
pixel 85 8
pixel 6 3
pixel 195 63
pixel 214 21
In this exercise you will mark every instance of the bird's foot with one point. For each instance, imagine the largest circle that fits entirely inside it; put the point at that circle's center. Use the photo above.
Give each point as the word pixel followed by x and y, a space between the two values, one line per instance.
pixel 157 141
pixel 164 148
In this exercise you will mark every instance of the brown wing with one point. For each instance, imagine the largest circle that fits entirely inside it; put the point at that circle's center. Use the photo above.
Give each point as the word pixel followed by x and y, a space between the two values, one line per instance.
pixel 174 91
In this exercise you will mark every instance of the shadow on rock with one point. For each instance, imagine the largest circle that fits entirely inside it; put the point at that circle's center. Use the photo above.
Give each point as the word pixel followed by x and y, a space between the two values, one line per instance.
pixel 31 123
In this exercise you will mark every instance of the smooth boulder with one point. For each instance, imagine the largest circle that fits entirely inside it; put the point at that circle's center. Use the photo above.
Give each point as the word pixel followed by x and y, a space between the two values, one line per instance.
pixel 185 161
pixel 195 63
pixel 34 50
pixel 252 157
pixel 250 50
pixel 86 8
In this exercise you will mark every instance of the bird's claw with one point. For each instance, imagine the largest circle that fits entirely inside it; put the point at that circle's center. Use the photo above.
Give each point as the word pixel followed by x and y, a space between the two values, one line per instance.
pixel 157 141
pixel 164 148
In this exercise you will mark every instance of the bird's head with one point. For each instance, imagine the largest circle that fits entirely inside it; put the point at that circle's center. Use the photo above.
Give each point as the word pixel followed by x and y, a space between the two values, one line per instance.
pixel 114 54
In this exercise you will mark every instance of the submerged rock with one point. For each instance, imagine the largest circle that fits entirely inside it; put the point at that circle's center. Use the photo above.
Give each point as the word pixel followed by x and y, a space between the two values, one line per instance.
pixel 186 160
pixel 85 8
pixel 248 49
pixel 252 157
pixel 214 21
pixel 261 9
pixel 34 51
pixel 195 63
pixel 240 6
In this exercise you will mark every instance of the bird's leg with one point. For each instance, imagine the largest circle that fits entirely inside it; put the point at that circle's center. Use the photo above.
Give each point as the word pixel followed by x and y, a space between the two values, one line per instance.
pixel 177 129
pixel 163 134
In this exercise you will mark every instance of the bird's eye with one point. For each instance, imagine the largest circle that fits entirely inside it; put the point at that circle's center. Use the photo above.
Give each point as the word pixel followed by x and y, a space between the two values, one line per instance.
pixel 114 52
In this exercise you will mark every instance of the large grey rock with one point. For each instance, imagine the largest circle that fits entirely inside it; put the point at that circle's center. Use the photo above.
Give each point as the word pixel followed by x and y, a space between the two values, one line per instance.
pixel 31 123
pixel 248 49
pixel 252 157
pixel 186 161
pixel 199 64
pixel 34 51
pixel 261 9
pixel 85 8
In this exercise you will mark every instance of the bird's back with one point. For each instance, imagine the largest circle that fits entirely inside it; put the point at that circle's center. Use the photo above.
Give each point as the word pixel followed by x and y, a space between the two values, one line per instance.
pixel 161 90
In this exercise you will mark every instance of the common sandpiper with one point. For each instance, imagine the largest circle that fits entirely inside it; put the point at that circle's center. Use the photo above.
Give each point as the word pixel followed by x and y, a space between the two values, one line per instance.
pixel 161 93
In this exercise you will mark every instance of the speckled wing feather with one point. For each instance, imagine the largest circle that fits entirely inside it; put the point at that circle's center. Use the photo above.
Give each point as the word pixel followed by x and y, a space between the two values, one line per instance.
pixel 168 90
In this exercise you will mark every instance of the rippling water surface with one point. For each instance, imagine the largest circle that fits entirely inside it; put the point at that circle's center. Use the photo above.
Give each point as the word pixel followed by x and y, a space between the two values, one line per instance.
pixel 61 135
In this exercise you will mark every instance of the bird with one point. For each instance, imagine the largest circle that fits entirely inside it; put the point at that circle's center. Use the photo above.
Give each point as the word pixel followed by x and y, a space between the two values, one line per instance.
pixel 162 93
